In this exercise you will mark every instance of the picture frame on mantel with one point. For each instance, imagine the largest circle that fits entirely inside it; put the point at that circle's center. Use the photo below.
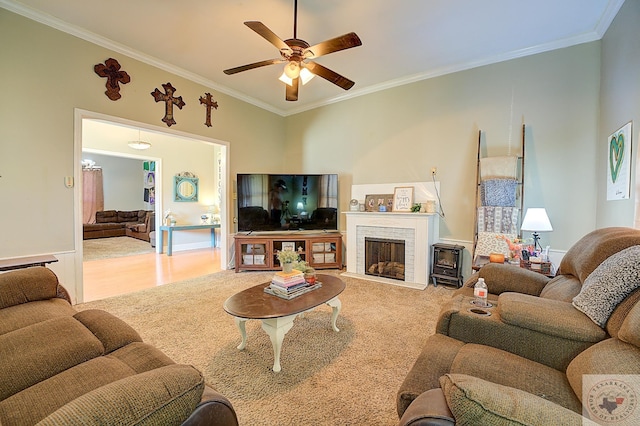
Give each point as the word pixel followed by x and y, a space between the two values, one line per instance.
pixel 372 202
pixel 402 199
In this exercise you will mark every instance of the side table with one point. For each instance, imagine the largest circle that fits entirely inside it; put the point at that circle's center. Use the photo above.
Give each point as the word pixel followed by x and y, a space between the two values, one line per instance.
pixel 545 268
pixel 26 262
pixel 171 229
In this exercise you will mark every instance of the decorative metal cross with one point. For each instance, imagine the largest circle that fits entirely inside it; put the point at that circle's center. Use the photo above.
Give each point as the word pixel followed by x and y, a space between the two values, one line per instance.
pixel 209 103
pixel 111 70
pixel 169 102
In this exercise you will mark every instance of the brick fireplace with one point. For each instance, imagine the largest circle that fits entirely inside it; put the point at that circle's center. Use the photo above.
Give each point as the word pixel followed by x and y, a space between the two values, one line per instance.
pixel 415 231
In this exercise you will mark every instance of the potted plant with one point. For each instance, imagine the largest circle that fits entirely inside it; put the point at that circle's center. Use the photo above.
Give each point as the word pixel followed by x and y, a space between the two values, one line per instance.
pixel 308 271
pixel 310 275
pixel 286 257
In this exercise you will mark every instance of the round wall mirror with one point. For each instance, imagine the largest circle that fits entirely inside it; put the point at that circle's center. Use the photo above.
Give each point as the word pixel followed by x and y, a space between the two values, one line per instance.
pixel 185 189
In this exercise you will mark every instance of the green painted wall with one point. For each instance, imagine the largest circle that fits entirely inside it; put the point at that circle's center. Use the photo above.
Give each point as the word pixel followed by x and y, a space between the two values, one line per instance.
pixel 394 135
pixel 397 135
pixel 47 74
pixel 619 104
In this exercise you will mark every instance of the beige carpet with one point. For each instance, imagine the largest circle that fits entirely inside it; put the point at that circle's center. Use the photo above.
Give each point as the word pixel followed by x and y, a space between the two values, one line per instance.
pixel 107 248
pixel 346 378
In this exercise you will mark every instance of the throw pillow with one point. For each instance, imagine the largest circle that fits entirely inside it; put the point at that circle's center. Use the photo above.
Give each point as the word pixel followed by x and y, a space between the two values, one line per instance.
pixel 609 284
pixel 163 396
pixel 493 242
pixel 630 329
pixel 479 402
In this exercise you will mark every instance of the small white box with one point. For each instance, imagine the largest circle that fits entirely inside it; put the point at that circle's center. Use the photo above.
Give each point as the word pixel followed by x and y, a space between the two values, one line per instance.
pixel 327 247
pixel 324 258
pixel 253 259
pixel 318 247
pixel 288 245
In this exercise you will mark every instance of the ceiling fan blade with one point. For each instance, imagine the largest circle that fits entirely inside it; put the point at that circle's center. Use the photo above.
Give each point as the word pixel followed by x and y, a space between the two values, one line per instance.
pixel 252 66
pixel 268 35
pixel 292 91
pixel 343 42
pixel 329 75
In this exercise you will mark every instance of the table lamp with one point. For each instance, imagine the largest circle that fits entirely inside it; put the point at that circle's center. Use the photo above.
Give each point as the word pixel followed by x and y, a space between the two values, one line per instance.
pixel 536 220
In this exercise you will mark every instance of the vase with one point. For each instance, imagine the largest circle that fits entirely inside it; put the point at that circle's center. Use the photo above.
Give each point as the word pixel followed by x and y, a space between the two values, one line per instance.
pixel 287 267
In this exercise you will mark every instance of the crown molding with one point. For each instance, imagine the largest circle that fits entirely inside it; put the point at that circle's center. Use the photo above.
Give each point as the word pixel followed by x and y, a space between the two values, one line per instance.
pixel 558 44
pixel 613 7
pixel 96 39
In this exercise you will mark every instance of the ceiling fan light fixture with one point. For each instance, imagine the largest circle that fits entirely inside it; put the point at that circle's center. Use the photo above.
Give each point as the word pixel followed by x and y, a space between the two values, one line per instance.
pixel 286 80
pixel 298 55
pixel 140 145
pixel 306 75
pixel 292 69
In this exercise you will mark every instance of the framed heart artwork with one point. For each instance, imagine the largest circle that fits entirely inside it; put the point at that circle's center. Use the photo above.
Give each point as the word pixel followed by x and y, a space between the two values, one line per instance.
pixel 619 164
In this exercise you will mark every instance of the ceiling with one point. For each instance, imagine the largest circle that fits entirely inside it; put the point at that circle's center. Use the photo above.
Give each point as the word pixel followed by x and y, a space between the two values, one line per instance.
pixel 402 41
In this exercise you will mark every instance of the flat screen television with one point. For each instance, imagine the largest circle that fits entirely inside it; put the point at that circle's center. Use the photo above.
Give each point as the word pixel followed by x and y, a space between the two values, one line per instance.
pixel 287 202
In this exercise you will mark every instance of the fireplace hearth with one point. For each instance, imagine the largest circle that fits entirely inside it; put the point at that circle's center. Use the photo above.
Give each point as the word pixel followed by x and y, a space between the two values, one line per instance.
pixel 418 231
pixel 384 258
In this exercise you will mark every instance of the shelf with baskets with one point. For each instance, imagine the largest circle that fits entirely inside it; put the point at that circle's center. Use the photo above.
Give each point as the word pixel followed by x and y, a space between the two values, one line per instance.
pixel 259 252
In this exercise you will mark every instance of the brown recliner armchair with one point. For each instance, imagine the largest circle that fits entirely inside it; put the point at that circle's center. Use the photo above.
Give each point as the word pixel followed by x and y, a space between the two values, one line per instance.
pixel 63 366
pixel 527 358
pixel 534 312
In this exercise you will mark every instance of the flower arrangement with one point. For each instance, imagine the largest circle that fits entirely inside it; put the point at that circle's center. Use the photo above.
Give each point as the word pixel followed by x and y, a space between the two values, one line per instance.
pixel 516 246
pixel 287 255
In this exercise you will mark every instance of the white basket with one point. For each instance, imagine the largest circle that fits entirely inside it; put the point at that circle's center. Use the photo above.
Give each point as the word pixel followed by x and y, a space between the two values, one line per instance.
pixel 253 259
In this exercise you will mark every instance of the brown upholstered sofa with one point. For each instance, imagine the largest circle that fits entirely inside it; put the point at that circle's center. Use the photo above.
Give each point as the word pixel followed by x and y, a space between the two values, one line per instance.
pixel 59 366
pixel 115 223
pixel 525 363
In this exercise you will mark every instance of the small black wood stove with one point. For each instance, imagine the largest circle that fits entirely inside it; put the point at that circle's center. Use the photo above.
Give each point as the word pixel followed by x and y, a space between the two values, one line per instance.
pixel 447 264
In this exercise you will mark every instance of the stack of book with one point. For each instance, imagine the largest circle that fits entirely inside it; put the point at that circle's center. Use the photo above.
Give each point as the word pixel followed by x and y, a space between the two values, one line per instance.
pixel 288 283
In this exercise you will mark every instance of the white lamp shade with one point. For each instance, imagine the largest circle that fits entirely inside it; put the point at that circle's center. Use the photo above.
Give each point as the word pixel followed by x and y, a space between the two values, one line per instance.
pixel 536 220
pixel 286 80
pixel 306 76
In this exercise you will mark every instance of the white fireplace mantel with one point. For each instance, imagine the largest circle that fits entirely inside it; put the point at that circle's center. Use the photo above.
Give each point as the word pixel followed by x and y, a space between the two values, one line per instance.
pixel 421 229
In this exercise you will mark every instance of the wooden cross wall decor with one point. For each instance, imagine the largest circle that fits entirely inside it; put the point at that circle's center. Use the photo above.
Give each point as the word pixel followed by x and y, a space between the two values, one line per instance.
pixel 169 102
pixel 209 103
pixel 111 71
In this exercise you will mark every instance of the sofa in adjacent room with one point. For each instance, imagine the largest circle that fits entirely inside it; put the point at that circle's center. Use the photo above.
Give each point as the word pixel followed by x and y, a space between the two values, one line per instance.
pixel 526 362
pixel 117 223
pixel 60 366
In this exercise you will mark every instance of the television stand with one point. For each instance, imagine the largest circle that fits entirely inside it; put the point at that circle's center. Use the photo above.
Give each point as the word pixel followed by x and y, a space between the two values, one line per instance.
pixel 258 252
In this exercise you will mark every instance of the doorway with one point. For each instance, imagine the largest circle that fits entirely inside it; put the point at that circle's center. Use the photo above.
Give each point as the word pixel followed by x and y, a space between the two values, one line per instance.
pixel 173 152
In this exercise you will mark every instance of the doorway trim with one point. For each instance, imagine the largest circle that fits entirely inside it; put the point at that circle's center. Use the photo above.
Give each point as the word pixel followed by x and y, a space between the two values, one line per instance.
pixel 79 116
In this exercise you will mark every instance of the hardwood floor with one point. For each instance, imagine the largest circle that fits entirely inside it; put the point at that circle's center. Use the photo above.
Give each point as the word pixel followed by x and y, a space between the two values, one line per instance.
pixel 112 277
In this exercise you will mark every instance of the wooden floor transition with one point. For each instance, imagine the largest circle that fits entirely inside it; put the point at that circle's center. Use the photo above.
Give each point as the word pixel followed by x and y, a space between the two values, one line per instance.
pixel 113 277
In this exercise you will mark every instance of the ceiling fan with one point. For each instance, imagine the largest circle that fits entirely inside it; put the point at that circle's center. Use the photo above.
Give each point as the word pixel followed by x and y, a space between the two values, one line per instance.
pixel 298 55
